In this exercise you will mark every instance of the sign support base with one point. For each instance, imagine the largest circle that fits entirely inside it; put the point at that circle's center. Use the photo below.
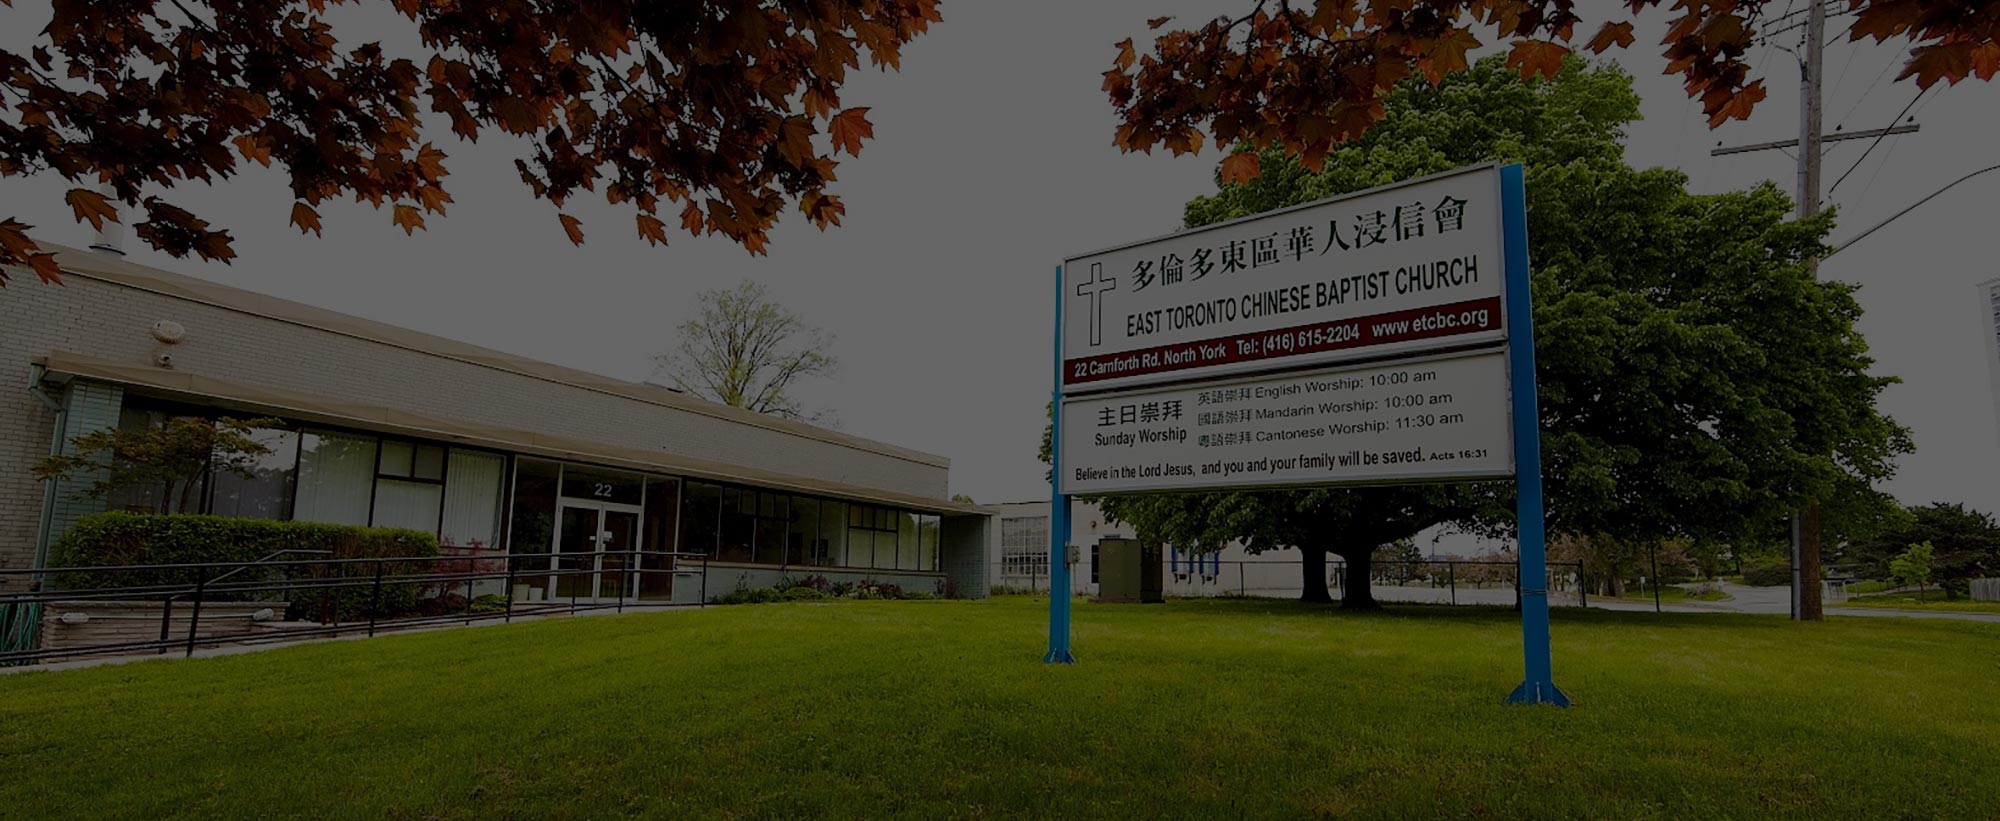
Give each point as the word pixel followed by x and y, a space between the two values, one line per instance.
pixel 1539 692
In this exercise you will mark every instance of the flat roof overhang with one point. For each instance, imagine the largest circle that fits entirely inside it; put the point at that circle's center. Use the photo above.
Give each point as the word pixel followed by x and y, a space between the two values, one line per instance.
pixel 60 366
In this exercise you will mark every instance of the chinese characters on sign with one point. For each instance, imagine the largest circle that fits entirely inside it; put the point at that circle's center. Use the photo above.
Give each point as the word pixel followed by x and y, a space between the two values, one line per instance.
pixel 1394 271
pixel 1377 227
pixel 1140 413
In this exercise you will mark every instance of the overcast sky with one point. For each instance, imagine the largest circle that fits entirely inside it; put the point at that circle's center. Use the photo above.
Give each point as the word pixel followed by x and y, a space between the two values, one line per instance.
pixel 992 161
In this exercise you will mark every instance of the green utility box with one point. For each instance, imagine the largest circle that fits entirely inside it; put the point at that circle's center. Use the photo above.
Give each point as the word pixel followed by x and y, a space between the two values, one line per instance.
pixel 1129 572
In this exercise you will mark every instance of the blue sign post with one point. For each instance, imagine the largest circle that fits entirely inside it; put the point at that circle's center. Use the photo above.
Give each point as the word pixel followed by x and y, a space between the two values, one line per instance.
pixel 1059 590
pixel 1444 311
pixel 1538 685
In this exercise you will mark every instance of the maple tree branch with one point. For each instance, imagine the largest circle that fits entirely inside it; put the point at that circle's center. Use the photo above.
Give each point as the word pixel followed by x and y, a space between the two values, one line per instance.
pixel 192 20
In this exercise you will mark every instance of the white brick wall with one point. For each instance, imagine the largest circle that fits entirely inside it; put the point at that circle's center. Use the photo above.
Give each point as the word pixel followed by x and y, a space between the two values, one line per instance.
pixel 109 321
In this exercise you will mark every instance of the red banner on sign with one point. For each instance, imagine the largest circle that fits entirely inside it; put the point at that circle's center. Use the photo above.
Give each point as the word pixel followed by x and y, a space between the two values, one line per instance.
pixel 1431 322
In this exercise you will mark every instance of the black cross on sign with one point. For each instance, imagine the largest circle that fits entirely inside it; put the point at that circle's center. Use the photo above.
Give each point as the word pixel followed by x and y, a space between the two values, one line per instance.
pixel 1097 284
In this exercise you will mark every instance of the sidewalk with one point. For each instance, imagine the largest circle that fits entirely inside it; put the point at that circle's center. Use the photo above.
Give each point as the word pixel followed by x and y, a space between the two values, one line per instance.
pixel 1778 601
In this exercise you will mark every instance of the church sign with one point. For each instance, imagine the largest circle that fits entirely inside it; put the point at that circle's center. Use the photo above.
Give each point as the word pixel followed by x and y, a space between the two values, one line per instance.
pixel 1392 271
pixel 1383 337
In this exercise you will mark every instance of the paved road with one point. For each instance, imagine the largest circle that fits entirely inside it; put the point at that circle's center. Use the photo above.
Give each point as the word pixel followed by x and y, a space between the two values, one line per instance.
pixel 1742 599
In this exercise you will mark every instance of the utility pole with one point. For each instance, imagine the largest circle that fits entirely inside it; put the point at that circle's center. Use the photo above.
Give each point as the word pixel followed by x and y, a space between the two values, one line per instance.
pixel 1808 578
pixel 1806 529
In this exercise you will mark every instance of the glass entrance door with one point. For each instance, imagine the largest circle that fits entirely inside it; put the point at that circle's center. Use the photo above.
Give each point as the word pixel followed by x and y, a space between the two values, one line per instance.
pixel 583 531
pixel 619 532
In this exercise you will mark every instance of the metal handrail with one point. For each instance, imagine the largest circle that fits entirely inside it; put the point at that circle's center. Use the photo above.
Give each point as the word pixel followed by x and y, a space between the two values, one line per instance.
pixel 266 559
pixel 204 588
pixel 497 554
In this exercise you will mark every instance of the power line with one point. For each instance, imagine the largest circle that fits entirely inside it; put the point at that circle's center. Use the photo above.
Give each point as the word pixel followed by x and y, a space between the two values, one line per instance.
pixel 1835 9
pixel 1911 207
pixel 1878 139
pixel 1872 175
pixel 1871 90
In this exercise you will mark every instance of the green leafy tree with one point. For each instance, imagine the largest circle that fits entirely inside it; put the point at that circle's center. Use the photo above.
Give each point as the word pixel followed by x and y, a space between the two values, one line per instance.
pixel 1966 541
pixel 1696 381
pixel 1913 566
pixel 746 351
pixel 176 458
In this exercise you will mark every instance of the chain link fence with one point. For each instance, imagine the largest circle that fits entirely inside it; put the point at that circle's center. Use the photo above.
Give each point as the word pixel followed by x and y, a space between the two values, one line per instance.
pixel 1438 581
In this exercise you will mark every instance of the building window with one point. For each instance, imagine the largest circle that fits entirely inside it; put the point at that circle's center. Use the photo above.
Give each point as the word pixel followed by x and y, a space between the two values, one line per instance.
pixel 267 492
pixel 409 460
pixel 831 549
pixel 701 518
pixel 739 525
pixel 1024 546
pixel 927 542
pixel 657 536
pixel 906 541
pixel 774 524
pixel 804 530
pixel 409 486
pixel 531 531
pixel 336 477
pixel 403 503
pixel 871 537
pixel 749 525
pixel 1093 564
pixel 472 499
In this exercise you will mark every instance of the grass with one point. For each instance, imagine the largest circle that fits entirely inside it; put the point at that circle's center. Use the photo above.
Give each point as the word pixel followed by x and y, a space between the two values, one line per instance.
pixel 1926 600
pixel 1191 709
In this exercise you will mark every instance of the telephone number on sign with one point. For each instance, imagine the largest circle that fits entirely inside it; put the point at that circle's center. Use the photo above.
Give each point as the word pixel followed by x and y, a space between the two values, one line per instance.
pixel 1313 337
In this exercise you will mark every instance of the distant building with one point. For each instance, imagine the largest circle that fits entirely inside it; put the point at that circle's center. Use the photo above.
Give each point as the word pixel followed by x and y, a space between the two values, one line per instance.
pixel 1019 557
pixel 492 452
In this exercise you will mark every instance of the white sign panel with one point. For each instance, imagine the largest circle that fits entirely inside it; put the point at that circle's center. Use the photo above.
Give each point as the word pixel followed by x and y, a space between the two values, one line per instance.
pixel 1411 420
pixel 1410 267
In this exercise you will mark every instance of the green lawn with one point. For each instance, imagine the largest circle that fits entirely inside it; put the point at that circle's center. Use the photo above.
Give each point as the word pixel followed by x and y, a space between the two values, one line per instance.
pixel 1927 600
pixel 1191 709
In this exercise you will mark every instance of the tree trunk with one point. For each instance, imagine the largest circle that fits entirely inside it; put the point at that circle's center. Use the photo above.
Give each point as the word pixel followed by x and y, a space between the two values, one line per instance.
pixel 190 503
pixel 1809 566
pixel 1313 580
pixel 1358 595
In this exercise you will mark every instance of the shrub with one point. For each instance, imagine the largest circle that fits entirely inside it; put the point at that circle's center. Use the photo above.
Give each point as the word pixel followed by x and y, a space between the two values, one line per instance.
pixel 761 595
pixel 814 588
pixel 1769 573
pixel 872 590
pixel 153 539
pixel 489 603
